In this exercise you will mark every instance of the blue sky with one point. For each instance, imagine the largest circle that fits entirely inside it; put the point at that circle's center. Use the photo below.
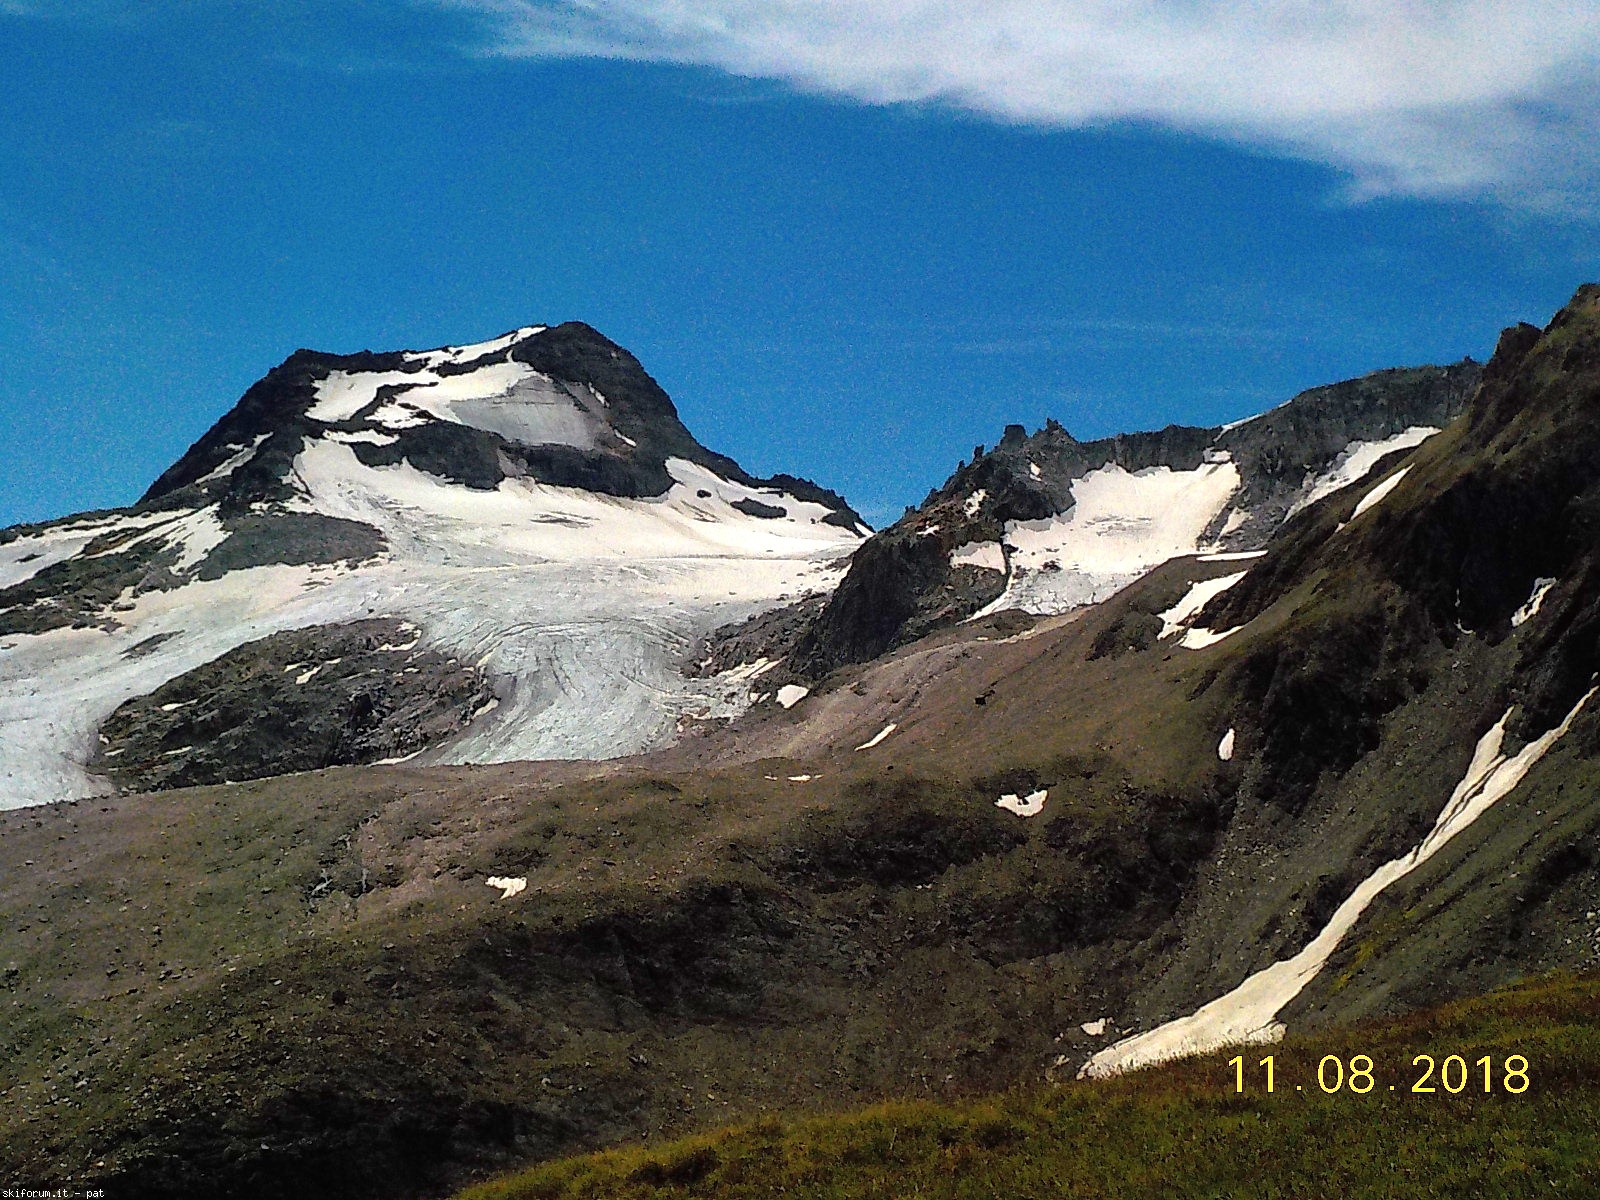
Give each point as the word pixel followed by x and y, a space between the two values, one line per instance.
pixel 851 240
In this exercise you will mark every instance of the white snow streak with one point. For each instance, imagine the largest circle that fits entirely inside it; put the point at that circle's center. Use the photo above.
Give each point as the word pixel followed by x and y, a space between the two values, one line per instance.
pixel 1225 747
pixel 1248 1013
pixel 1541 589
pixel 1379 492
pixel 1353 462
pixel 877 738
pixel 236 460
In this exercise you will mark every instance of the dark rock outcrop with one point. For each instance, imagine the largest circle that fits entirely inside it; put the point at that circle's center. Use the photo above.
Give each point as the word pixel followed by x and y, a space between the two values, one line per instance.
pixel 296 701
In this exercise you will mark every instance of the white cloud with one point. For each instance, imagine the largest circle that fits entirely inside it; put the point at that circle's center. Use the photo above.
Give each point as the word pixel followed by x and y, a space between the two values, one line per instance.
pixel 1449 98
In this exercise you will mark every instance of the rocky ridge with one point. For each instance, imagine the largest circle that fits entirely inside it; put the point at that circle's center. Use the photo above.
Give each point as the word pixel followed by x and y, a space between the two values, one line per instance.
pixel 1044 522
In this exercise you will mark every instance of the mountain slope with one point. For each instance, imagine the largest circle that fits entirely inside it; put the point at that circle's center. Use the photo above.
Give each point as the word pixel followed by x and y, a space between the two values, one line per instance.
pixel 1046 523
pixel 1237 797
pixel 532 505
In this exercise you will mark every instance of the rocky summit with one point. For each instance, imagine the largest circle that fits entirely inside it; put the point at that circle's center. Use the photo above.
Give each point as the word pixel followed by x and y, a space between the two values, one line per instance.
pixel 1107 754
pixel 531 504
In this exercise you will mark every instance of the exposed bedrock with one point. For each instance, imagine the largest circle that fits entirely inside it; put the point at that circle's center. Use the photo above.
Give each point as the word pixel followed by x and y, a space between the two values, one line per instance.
pixel 327 696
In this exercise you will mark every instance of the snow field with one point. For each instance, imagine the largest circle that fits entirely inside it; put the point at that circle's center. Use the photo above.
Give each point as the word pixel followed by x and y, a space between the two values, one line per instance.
pixel 1121 524
pixel 582 605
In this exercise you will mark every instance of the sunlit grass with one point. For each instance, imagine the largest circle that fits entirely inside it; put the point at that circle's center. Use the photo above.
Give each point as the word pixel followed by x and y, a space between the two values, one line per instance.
pixel 1184 1130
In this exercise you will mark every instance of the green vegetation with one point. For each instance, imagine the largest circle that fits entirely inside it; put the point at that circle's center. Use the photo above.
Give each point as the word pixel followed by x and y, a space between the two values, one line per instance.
pixel 1184 1130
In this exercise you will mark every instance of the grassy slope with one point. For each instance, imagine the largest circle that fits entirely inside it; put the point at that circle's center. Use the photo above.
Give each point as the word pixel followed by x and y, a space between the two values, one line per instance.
pixel 302 987
pixel 1181 1130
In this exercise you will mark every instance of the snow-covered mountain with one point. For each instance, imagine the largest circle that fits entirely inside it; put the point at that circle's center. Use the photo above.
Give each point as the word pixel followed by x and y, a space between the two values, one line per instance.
pixel 1355 772
pixel 527 533
pixel 1046 523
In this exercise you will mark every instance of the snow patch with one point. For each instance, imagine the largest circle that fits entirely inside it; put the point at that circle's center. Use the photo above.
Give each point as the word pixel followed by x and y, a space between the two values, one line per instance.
pixel 1094 1028
pixel 1225 747
pixel 974 502
pixel 509 886
pixel 1196 598
pixel 1030 806
pixel 752 670
pixel 1247 1014
pixel 987 555
pixel 477 350
pixel 25 557
pixel 504 397
pixel 877 738
pixel 370 437
pixel 1199 639
pixel 343 394
pixel 791 694
pixel 1541 589
pixel 1120 525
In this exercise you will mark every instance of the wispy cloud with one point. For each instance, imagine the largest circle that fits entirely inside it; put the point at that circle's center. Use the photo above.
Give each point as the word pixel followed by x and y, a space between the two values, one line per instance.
pixel 1496 99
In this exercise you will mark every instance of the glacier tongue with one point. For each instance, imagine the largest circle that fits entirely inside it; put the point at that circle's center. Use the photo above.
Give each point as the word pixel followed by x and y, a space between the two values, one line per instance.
pixel 583 605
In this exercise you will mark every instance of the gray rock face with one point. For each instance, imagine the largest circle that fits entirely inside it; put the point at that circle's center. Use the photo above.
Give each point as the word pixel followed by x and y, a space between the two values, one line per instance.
pixel 1277 450
pixel 903 584
pixel 297 701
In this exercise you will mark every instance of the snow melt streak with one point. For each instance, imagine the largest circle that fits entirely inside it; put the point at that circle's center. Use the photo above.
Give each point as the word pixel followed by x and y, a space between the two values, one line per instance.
pixel 1355 461
pixel 1248 1013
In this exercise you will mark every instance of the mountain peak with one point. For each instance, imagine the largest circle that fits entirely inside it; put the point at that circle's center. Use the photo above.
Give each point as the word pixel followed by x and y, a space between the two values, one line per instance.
pixel 561 405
